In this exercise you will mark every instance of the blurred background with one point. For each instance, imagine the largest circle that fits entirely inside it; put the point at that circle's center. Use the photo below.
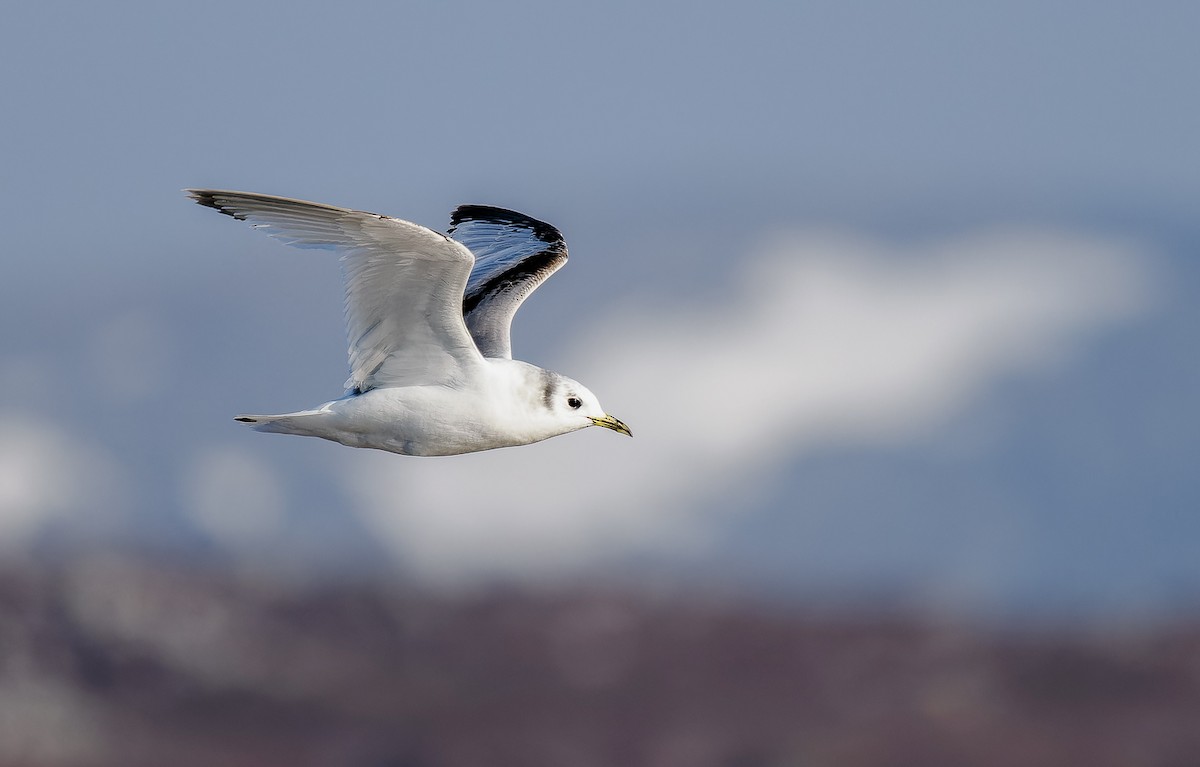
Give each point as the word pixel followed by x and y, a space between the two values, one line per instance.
pixel 897 298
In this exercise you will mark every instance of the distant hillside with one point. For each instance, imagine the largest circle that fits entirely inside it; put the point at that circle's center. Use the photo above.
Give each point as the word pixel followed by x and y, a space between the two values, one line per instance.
pixel 110 663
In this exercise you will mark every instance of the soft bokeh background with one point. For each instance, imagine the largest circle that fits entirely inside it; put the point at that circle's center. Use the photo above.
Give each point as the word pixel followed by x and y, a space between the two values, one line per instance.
pixel 898 298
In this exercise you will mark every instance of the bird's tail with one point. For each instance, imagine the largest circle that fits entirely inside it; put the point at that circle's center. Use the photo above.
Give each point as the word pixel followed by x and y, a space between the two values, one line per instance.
pixel 302 422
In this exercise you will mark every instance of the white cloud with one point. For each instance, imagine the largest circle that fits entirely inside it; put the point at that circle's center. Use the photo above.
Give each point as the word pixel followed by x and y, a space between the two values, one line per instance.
pixel 49 475
pixel 234 496
pixel 825 341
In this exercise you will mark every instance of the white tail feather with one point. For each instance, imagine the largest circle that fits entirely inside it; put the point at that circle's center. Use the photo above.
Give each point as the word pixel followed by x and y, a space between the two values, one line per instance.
pixel 286 423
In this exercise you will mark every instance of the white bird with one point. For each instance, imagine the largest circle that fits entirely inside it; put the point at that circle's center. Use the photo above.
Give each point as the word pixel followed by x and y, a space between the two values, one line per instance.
pixel 428 317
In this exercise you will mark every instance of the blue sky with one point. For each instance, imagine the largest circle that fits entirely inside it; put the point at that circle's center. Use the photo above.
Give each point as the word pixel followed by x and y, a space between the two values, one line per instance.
pixel 947 248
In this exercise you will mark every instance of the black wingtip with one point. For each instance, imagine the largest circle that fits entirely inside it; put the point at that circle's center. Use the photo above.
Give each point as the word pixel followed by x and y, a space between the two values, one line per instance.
pixel 203 196
pixel 543 231
pixel 208 198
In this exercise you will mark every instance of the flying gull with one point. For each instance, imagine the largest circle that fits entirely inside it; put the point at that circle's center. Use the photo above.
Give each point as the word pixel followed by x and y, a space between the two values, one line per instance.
pixel 428 317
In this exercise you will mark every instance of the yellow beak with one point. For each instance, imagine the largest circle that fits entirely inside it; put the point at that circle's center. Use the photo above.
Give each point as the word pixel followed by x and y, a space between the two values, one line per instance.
pixel 609 422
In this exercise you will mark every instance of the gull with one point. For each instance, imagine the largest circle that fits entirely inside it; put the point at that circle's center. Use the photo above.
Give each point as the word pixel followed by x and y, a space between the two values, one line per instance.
pixel 428 318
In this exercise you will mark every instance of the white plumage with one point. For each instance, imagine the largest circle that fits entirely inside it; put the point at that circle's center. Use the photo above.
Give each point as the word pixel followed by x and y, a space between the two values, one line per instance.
pixel 424 378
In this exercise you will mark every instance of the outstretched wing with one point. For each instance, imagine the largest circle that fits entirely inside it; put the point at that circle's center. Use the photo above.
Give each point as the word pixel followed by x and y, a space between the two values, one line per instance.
pixel 513 255
pixel 404 285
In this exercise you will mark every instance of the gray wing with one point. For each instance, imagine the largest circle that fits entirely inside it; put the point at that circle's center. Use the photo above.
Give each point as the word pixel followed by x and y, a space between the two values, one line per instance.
pixel 513 255
pixel 404 285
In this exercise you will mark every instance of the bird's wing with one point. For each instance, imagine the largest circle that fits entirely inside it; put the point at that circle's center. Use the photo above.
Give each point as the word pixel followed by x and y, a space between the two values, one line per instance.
pixel 404 285
pixel 513 255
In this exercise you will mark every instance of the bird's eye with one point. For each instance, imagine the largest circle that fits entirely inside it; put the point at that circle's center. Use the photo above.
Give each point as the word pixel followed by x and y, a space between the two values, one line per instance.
pixel 574 403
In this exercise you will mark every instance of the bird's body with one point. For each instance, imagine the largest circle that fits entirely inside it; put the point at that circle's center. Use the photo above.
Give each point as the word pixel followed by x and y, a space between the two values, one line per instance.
pixel 491 411
pixel 427 379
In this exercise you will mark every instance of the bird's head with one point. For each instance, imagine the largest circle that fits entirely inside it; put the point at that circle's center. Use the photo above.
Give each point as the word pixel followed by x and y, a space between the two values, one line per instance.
pixel 573 403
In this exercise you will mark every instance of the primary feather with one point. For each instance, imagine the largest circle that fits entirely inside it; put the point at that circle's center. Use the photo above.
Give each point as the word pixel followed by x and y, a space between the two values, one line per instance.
pixel 514 254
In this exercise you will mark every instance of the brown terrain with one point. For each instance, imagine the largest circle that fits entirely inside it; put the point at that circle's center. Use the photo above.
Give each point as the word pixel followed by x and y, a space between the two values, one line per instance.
pixel 105 662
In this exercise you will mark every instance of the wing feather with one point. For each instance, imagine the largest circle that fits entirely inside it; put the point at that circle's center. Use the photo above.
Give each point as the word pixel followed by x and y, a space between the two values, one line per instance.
pixel 514 254
pixel 404 285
